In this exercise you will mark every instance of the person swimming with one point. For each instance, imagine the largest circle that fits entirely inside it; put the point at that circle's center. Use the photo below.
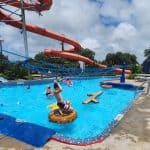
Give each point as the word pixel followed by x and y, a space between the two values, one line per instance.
pixel 59 79
pixel 49 92
pixel 68 82
pixel 28 87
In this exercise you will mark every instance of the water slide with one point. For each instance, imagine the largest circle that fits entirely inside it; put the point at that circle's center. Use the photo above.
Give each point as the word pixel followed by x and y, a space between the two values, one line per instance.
pixel 38 6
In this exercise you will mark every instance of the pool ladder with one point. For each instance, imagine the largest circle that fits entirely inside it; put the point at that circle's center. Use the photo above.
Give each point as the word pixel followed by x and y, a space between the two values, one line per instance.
pixel 146 89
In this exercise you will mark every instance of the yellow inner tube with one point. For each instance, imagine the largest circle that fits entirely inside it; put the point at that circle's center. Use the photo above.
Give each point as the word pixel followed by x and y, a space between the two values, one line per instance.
pixel 65 118
pixel 107 86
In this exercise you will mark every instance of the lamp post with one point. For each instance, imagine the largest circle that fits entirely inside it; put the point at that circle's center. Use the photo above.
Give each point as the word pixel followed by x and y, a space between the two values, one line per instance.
pixel 62 46
pixel 24 29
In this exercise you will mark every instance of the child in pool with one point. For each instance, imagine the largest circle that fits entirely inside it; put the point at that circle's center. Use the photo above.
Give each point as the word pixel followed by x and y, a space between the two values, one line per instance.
pixel 63 105
pixel 68 82
pixel 49 92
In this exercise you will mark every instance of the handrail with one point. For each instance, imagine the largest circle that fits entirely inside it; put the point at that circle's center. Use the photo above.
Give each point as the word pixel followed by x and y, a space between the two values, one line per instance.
pixel 138 88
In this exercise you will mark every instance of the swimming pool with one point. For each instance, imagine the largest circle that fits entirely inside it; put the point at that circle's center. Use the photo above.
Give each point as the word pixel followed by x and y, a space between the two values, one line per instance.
pixel 93 119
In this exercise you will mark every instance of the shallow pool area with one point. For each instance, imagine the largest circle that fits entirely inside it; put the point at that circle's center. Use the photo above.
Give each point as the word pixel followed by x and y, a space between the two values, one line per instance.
pixel 92 119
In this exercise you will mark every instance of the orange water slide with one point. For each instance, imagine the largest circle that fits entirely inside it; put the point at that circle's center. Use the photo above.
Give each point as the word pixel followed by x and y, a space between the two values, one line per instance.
pixel 41 5
pixel 118 70
pixel 77 57
pixel 40 31
pixel 72 56
pixel 47 33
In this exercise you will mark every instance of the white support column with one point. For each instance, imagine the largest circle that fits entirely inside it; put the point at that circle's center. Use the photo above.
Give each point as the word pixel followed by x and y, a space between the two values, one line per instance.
pixel 1 48
pixel 24 32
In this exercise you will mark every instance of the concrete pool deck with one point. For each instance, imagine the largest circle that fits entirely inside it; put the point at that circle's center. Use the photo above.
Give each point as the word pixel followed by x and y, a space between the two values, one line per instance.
pixel 132 133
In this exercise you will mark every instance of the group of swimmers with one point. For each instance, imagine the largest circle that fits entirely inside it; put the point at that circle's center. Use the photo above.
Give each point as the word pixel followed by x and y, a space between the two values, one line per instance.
pixel 67 81
pixel 63 105
pixel 49 92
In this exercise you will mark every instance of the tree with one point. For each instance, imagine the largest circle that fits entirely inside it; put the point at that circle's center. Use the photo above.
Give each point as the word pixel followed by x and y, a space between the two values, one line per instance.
pixel 87 53
pixel 15 71
pixel 3 63
pixel 147 52
pixel 53 60
pixel 146 63
pixel 65 62
pixel 110 59
pixel 119 58
pixel 136 68
pixel 41 56
pixel 11 70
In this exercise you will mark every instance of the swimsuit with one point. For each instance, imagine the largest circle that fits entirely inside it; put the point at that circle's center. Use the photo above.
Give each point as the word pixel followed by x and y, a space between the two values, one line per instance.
pixel 61 105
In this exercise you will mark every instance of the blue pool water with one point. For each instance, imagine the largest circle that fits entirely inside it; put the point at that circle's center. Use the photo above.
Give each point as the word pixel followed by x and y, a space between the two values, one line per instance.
pixel 31 106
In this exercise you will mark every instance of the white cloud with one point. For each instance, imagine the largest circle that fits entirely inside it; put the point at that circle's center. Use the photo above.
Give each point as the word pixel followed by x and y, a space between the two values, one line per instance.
pixel 80 20
pixel 123 37
pixel 124 31
pixel 90 43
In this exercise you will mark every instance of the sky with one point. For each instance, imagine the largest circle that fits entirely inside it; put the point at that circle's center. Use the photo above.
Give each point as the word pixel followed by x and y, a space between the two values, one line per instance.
pixel 104 26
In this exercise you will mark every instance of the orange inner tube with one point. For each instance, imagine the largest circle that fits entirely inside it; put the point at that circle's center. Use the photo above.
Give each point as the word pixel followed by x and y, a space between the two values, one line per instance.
pixel 65 118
